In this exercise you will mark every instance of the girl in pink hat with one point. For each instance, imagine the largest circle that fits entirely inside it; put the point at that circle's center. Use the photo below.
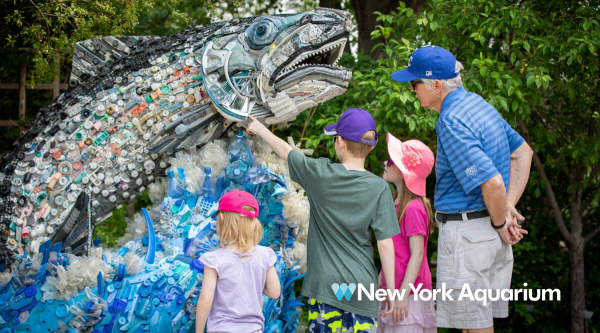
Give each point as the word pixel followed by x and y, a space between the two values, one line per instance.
pixel 409 165
pixel 239 272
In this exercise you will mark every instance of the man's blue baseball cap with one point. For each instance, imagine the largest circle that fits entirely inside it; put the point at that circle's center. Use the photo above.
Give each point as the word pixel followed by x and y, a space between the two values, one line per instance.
pixel 429 62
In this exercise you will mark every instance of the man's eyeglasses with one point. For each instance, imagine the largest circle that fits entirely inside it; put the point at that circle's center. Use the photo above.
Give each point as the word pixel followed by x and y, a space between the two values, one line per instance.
pixel 389 162
pixel 335 138
pixel 413 84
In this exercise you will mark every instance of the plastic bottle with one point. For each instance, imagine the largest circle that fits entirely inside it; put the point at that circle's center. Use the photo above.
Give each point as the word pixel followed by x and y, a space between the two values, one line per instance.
pixel 175 191
pixel 239 149
pixel 207 187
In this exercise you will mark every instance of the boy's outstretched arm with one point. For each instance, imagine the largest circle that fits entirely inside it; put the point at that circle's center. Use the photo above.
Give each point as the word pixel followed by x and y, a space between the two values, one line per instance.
pixel 279 146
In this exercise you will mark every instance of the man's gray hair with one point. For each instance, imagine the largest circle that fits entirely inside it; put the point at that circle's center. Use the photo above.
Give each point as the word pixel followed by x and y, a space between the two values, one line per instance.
pixel 450 84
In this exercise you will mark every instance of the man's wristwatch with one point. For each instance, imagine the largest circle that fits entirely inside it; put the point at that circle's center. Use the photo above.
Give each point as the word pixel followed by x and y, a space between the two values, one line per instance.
pixel 498 226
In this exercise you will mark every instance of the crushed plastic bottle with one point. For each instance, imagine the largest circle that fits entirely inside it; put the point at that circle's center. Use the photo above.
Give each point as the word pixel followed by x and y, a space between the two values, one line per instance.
pixel 175 192
pixel 257 175
pixel 239 149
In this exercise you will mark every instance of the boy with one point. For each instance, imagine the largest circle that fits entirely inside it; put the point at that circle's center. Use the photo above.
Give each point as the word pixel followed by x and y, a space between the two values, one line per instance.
pixel 346 204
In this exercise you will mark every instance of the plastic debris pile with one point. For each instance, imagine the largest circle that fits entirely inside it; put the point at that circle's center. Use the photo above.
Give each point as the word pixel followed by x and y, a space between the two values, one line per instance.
pixel 151 283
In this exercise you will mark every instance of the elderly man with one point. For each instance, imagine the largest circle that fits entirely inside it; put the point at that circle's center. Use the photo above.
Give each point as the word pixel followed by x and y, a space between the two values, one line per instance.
pixel 482 168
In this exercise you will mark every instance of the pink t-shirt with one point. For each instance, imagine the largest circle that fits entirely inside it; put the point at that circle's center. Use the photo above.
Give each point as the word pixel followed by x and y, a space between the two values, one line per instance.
pixel 414 222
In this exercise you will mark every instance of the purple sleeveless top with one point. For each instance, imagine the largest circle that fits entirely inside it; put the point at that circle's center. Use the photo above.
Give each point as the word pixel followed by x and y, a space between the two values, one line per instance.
pixel 237 305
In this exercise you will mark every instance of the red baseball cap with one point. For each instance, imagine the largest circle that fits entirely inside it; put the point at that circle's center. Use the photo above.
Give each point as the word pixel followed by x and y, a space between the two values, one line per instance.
pixel 415 161
pixel 233 201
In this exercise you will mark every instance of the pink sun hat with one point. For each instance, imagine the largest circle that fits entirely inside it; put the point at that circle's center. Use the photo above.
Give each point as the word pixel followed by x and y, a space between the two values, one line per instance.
pixel 415 161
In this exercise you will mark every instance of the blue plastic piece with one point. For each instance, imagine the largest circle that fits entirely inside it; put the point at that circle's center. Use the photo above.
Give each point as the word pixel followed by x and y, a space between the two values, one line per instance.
pixel 150 255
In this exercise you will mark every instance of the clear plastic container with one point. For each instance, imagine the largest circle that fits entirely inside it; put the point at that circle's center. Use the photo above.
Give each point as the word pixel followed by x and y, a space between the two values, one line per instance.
pixel 175 192
pixel 239 149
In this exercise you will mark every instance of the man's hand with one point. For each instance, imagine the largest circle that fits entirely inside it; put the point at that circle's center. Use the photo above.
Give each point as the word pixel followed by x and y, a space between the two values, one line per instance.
pixel 513 215
pixel 512 232
pixel 255 126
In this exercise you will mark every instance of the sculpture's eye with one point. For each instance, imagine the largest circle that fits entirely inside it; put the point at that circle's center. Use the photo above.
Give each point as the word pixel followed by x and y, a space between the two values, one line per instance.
pixel 261 34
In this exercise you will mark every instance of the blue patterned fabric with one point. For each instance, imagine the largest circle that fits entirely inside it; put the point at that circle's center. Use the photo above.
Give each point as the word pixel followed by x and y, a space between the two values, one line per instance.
pixel 474 144
pixel 323 318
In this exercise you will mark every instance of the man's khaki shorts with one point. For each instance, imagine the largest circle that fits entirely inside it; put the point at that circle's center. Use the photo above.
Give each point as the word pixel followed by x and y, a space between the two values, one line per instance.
pixel 471 253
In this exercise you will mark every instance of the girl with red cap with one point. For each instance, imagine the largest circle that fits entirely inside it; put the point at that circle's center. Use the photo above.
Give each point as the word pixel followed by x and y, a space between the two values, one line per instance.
pixel 408 167
pixel 239 272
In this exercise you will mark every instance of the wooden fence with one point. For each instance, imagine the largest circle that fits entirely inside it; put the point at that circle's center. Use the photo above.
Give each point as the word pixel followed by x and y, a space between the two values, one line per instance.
pixel 22 86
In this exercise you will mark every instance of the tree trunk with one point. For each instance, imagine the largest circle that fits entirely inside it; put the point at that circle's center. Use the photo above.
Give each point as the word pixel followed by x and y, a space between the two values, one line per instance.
pixel 131 208
pixel 366 20
pixel 577 284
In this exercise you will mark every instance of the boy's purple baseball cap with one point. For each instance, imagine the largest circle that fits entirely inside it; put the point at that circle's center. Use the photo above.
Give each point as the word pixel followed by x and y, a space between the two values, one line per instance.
pixel 353 123
pixel 428 62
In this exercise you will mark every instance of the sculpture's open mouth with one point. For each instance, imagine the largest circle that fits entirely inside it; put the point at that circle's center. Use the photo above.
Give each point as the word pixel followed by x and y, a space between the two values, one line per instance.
pixel 328 53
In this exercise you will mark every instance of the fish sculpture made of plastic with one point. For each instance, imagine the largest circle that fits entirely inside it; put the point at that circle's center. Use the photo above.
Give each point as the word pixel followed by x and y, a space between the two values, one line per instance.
pixel 132 102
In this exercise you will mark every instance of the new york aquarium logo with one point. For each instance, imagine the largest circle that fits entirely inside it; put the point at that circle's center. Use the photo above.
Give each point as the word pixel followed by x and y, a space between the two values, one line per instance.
pixel 343 290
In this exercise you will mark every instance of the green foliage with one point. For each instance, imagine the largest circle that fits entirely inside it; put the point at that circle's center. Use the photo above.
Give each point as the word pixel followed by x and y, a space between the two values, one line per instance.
pixel 113 228
pixel 55 25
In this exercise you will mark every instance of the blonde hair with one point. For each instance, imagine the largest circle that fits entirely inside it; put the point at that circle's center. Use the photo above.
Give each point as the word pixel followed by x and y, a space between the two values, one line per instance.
pixel 360 150
pixel 406 197
pixel 233 227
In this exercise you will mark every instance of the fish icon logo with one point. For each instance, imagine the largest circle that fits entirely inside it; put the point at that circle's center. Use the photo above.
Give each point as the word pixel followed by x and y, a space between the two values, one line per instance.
pixel 343 290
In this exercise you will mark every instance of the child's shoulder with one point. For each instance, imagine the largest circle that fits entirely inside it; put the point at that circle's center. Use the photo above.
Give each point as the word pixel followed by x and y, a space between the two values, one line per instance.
pixel 416 206
pixel 263 249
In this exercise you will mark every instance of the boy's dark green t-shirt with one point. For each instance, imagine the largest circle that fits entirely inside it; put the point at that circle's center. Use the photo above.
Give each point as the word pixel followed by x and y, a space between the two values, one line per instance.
pixel 345 207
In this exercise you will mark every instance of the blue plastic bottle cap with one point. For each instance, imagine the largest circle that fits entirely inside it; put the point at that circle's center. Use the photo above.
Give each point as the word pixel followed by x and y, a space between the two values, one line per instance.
pixel 41 307
pixel 153 279
pixel 120 305
pixel 15 313
pixel 145 293
pixel 146 283
pixel 15 321
pixel 240 134
pixel 207 170
pixel 176 277
pixel 122 320
pixel 155 301
pixel 180 300
pixel 169 273
pixel 118 284
pixel 110 288
pixel 197 265
pixel 169 296
pixel 171 280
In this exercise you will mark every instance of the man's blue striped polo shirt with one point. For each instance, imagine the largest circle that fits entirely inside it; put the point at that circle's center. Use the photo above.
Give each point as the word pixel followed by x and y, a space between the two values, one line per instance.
pixel 474 144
